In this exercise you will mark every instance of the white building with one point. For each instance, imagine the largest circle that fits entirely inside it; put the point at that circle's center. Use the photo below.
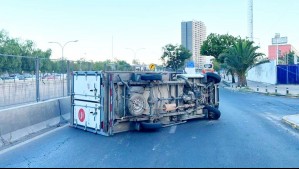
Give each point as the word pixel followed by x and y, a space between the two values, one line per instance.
pixel 193 34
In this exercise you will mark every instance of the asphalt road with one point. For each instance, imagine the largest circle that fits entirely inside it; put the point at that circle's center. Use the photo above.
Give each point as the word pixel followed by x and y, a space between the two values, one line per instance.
pixel 249 134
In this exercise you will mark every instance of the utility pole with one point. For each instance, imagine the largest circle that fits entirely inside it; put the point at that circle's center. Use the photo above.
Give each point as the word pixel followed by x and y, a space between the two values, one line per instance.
pixel 112 48
pixel 250 19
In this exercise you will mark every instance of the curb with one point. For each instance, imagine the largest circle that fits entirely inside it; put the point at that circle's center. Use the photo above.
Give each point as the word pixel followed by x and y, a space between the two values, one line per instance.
pixel 290 122
pixel 228 86
pixel 226 83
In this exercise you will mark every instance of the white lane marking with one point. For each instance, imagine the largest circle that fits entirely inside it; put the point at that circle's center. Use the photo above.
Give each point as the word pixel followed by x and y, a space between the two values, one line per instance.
pixel 172 130
pixel 30 140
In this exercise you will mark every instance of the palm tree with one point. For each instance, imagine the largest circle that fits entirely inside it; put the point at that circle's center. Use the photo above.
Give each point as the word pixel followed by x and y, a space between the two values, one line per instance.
pixel 241 57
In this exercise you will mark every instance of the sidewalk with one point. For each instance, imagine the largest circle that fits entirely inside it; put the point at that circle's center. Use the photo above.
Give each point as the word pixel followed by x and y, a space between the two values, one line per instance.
pixel 292 120
pixel 282 90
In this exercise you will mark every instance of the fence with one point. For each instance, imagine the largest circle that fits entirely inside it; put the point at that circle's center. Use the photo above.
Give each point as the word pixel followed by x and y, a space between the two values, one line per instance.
pixel 288 74
pixel 26 79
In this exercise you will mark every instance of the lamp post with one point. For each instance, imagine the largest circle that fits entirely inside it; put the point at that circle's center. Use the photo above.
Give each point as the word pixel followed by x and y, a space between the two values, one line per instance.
pixel 135 52
pixel 62 58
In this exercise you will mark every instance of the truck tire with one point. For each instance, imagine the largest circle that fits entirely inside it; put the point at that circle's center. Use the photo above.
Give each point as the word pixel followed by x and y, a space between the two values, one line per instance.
pixel 213 113
pixel 151 126
pixel 213 76
pixel 136 104
pixel 151 77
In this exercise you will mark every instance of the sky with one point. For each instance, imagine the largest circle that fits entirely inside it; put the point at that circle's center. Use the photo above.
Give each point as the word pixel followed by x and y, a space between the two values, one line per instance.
pixel 110 29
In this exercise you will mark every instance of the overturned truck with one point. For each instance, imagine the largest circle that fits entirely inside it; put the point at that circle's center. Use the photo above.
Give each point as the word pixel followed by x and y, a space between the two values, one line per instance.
pixel 111 102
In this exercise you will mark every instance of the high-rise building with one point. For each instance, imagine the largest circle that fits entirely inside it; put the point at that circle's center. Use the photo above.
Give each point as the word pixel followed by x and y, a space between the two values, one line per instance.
pixel 193 34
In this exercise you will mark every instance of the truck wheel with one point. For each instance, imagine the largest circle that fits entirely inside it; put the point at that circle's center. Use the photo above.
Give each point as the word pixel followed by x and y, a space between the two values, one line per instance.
pixel 151 77
pixel 151 126
pixel 136 104
pixel 213 113
pixel 213 76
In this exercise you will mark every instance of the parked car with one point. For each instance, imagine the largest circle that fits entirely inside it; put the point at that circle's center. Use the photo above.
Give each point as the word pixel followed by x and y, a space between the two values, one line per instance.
pixel 48 77
pixel 20 77
pixel 4 76
pixel 12 77
pixel 28 76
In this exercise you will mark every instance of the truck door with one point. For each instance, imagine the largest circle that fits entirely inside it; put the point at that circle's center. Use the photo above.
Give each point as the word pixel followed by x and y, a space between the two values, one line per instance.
pixel 87 100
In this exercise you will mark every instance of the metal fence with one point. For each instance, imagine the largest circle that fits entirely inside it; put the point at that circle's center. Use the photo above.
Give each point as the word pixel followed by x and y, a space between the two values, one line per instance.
pixel 288 74
pixel 26 79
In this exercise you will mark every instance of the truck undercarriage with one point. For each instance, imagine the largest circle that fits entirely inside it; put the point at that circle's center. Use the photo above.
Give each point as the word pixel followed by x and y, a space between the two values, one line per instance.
pixel 111 102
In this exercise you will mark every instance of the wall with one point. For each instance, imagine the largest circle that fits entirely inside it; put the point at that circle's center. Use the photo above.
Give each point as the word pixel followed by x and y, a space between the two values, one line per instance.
pixel 272 51
pixel 265 73
pixel 18 122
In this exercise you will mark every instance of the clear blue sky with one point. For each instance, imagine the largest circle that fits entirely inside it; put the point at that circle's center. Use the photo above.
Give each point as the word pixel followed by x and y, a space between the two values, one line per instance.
pixel 149 24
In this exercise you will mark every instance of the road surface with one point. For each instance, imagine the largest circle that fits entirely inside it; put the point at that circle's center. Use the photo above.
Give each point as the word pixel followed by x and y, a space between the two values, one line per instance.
pixel 249 134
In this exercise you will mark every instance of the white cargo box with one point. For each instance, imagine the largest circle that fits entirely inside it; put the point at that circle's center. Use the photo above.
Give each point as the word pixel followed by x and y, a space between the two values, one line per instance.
pixel 87 115
pixel 87 86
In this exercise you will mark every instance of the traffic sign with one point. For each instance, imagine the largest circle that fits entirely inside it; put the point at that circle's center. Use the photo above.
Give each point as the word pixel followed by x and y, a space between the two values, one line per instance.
pixel 152 66
pixel 190 64
pixel 81 115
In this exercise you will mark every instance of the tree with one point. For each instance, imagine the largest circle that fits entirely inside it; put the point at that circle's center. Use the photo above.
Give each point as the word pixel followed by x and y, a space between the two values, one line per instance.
pixel 217 44
pixel 45 64
pixel 241 57
pixel 288 59
pixel 216 65
pixel 17 48
pixel 123 65
pixel 101 65
pixel 174 57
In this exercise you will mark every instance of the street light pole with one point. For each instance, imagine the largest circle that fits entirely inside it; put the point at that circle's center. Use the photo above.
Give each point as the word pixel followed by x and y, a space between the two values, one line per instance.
pixel 62 58
pixel 135 51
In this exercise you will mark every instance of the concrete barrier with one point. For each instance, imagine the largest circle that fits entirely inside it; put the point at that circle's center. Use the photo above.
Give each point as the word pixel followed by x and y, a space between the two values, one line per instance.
pixel 22 121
